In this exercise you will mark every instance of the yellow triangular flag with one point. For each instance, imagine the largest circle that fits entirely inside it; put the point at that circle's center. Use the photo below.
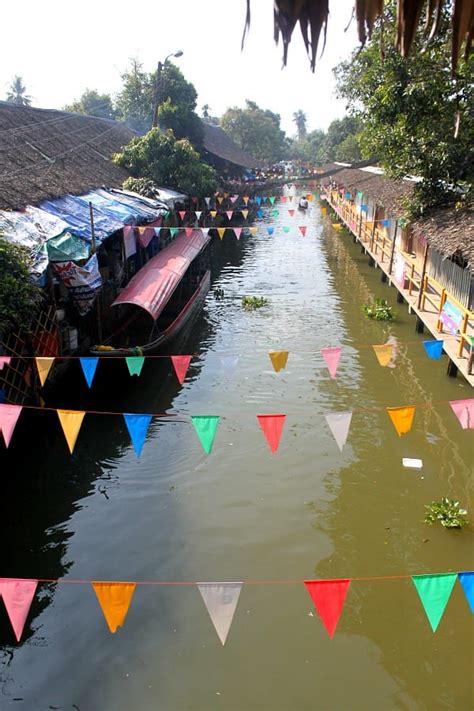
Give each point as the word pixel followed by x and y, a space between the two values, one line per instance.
pixel 212 213
pixel 402 418
pixel 226 195
pixel 219 200
pixel 44 366
pixel 253 231
pixel 324 210
pixel 278 359
pixel 246 199
pixel 114 599
pixel 71 421
pixel 384 353
pixel 220 232
pixel 244 213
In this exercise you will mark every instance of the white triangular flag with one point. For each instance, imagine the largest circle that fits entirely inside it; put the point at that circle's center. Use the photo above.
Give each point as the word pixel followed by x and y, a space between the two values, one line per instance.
pixel 339 423
pixel 221 601
pixel 229 362
pixel 208 201
pixel 198 214
pixel 204 230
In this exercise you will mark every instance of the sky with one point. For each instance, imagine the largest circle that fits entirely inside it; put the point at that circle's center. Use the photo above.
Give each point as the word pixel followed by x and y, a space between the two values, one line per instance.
pixel 59 52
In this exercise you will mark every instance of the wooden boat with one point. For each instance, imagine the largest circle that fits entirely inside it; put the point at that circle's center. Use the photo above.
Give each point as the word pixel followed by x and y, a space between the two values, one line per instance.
pixel 161 299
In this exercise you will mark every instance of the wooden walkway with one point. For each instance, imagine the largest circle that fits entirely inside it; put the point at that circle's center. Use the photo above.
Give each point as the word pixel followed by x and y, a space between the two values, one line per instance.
pixel 428 304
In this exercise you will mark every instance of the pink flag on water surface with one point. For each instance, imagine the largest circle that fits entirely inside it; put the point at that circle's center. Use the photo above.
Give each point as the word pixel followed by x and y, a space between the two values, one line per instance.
pixel 229 214
pixel 9 415
pixel 17 597
pixel 302 229
pixel 331 358
pixel 233 198
pixel 464 411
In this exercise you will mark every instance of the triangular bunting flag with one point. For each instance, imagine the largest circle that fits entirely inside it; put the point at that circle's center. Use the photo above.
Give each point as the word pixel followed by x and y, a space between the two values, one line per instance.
pixel 270 230
pixel 258 199
pixel 244 214
pixel 182 214
pixel 434 592
pixel 208 201
pixel 206 426
pixel 464 411
pixel 198 214
pixel 290 198
pixel 272 200
pixel 279 359
pixel 246 200
pixel 157 231
pixel 434 349
pixel 253 231
pixel 114 600
pixel 275 213
pixel 229 362
pixel 302 229
pixel 229 214
pixel 213 213
pixel 89 366
pixel 272 427
pixel 384 353
pixel 237 232
pixel 220 200
pixel 467 582
pixel 328 597
pixel 220 232
pixel 4 360
pixel 264 199
pixel 221 601
pixel 259 213
pixel 71 421
pixel 189 231
pixel 181 365
pixel 402 418
pixel 286 229
pixel 44 366
pixel 204 230
pixel 9 415
pixel 17 597
pixel 173 231
pixel 137 426
pixel 324 210
pixel 339 423
pixel 233 198
pixel 331 358
pixel 284 198
pixel 291 213
pixel 135 364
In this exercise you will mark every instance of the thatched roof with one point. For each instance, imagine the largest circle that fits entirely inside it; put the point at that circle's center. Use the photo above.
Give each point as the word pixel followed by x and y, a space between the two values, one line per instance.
pixel 386 192
pixel 47 153
pixel 220 144
pixel 449 231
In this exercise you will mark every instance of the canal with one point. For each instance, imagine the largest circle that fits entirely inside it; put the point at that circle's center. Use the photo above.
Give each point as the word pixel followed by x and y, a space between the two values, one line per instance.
pixel 308 511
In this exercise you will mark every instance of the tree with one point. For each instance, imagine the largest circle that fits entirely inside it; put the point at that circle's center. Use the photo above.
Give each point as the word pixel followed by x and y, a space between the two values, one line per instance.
pixel 134 102
pixel 177 105
pixel 168 162
pixel 256 131
pixel 17 94
pixel 19 297
pixel 339 131
pixel 311 149
pixel 409 108
pixel 299 118
pixel 92 103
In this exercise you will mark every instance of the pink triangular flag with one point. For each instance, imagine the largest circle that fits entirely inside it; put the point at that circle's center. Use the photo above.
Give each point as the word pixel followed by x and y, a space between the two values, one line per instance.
pixel 272 427
pixel 331 358
pixel 233 198
pixel 302 229
pixel 291 213
pixel 238 231
pixel 464 411
pixel 9 415
pixel 17 596
pixel 229 214
pixel 182 214
pixel 328 597
pixel 339 423
pixel 221 601
pixel 181 365
pixel 4 360
pixel 189 231
pixel 198 214
pixel 284 198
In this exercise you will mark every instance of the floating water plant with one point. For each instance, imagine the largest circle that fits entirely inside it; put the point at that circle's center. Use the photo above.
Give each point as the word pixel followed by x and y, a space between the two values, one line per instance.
pixel 379 310
pixel 253 302
pixel 447 512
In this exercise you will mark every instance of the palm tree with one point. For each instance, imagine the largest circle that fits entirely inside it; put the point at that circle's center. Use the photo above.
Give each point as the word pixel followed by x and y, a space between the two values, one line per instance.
pixel 17 95
pixel 299 117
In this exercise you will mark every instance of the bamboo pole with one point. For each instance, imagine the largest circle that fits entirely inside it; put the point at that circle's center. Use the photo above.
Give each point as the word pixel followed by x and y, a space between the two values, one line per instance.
pixel 423 272
pixel 390 267
pixel 94 250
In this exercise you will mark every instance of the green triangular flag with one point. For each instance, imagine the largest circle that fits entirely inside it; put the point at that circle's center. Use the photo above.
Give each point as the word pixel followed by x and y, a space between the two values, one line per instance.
pixel 135 364
pixel 275 213
pixel 173 231
pixel 272 200
pixel 206 426
pixel 434 592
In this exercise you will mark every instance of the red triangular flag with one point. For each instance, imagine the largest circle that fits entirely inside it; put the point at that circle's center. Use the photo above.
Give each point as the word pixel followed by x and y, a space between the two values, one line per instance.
pixel 328 597
pixel 189 231
pixel 181 365
pixel 272 426
pixel 284 198
pixel 302 229
pixel 182 214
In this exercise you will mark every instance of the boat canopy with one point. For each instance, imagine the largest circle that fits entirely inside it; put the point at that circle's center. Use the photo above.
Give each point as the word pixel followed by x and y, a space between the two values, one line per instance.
pixel 152 287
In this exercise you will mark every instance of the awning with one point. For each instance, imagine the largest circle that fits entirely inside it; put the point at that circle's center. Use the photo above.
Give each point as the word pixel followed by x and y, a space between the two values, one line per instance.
pixel 152 287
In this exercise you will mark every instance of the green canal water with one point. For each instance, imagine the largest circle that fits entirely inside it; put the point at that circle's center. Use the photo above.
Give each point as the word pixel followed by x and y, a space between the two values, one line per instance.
pixel 242 513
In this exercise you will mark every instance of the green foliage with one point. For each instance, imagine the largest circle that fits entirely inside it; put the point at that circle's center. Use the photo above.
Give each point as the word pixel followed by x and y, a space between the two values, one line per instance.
pixel 379 310
pixel 409 109
pixel 141 186
pixel 19 298
pixel 340 142
pixel 92 103
pixel 447 512
pixel 134 102
pixel 17 93
pixel 163 159
pixel 256 131
pixel 177 105
pixel 250 303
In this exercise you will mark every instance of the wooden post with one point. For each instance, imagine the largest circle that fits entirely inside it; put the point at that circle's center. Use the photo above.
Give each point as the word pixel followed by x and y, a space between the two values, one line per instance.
pixel 442 302
pixel 423 272
pixel 94 250
pixel 410 285
pixel 463 333
pixel 360 225
pixel 393 248
pixel 374 227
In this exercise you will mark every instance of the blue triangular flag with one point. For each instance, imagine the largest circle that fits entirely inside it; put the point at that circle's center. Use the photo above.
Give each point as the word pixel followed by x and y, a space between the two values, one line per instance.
pixel 434 349
pixel 89 366
pixel 270 230
pixel 386 223
pixel 258 199
pixel 264 198
pixel 137 426
pixel 467 582
pixel 259 213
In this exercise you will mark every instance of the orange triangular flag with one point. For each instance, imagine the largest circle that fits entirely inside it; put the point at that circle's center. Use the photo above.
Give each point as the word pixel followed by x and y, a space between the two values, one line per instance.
pixel 278 359
pixel 220 232
pixel 253 231
pixel 114 599
pixel 71 421
pixel 244 214
pixel 246 200
pixel 402 418
pixel 44 366
pixel 384 353
pixel 213 213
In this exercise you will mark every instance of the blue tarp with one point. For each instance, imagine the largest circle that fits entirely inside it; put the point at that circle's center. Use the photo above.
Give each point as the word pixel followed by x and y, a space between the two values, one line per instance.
pixel 111 207
pixel 75 213
pixel 149 209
